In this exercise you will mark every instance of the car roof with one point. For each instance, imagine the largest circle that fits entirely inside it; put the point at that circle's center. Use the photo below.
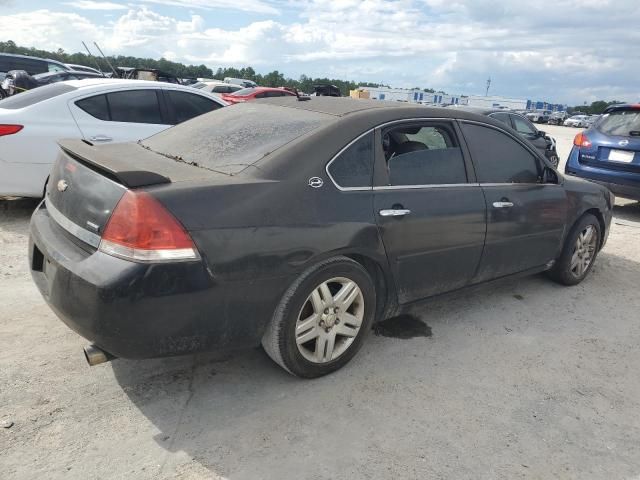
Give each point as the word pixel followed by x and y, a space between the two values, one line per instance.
pixel 483 111
pixel 344 106
pixel 16 55
pixel 624 106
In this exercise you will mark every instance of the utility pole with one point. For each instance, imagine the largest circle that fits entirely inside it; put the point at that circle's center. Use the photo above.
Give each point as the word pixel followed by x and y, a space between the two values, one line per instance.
pixel 486 93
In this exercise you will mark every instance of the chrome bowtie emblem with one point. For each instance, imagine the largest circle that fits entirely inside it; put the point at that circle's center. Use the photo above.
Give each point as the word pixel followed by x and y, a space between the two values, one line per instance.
pixel 62 185
pixel 623 143
pixel 315 182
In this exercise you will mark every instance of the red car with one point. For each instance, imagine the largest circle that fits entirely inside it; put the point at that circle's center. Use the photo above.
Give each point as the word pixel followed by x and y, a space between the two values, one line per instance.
pixel 248 94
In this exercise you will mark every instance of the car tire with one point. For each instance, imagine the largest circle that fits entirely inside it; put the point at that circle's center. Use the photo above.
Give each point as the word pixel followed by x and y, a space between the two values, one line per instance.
pixel 579 252
pixel 313 332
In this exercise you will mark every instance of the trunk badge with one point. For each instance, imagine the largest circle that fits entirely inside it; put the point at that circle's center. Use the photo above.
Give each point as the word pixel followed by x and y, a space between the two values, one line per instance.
pixel 623 143
pixel 62 185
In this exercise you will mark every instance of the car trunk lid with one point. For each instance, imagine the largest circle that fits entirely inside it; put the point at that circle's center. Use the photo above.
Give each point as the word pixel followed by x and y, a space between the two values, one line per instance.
pixel 87 182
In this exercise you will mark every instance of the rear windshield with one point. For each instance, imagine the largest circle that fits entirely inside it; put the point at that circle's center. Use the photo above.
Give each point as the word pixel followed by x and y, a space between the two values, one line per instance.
pixel 624 123
pixel 244 91
pixel 233 138
pixel 37 95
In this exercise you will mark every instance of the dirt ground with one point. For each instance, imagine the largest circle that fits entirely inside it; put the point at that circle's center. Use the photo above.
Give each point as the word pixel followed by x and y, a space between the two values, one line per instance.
pixel 526 379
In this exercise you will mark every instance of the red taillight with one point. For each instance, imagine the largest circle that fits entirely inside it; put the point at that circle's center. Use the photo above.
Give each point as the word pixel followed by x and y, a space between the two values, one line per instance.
pixel 581 141
pixel 9 129
pixel 141 229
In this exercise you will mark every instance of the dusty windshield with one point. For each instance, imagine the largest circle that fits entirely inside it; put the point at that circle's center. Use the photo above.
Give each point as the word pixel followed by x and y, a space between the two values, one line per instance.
pixel 232 138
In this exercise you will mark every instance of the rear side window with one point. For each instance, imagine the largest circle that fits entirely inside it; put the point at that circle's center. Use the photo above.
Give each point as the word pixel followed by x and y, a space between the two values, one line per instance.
pixel 135 106
pixel 423 155
pixel 189 105
pixel 31 97
pixel 95 106
pixel 354 166
pixel 625 123
pixel 498 158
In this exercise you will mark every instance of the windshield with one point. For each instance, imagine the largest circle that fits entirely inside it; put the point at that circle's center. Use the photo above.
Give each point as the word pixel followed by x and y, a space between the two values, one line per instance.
pixel 243 92
pixel 622 122
pixel 231 139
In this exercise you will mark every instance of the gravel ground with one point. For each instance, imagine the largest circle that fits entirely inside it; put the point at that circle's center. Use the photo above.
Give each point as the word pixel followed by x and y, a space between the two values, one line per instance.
pixel 526 379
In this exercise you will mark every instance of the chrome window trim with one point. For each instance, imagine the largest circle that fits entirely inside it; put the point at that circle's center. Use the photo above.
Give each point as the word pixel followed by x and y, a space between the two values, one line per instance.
pixel 517 184
pixel 71 227
pixel 435 185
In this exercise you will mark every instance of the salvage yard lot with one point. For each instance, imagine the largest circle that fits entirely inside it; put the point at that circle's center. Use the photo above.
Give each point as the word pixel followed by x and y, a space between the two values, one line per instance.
pixel 526 379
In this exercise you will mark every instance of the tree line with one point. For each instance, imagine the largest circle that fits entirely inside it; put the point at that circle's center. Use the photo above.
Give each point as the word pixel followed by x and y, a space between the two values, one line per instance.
pixel 596 108
pixel 180 70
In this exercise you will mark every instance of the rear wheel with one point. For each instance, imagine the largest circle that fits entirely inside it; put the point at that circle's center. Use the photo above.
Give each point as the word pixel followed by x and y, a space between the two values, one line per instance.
pixel 579 252
pixel 322 319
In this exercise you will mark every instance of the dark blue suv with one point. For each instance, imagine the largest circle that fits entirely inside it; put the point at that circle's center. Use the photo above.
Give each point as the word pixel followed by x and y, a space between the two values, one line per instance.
pixel 609 151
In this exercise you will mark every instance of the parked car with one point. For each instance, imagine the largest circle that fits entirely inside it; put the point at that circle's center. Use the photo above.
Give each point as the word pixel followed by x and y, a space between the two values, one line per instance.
pixel 297 224
pixel 83 68
pixel 539 116
pixel 31 65
pixel 579 121
pixel 97 111
pixel 254 93
pixel 609 151
pixel 217 87
pixel 18 81
pixel 543 142
pixel 557 118
pixel 243 82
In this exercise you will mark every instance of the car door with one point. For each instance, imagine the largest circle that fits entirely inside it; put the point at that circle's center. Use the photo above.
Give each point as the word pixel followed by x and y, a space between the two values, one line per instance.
pixel 429 209
pixel 120 116
pixel 528 130
pixel 525 217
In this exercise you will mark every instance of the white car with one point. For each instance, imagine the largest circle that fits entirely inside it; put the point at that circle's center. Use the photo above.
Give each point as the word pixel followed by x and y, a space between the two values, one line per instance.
pixel 98 111
pixel 216 87
pixel 579 121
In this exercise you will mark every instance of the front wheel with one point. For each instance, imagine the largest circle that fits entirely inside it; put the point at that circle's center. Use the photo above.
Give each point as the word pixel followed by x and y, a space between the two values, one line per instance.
pixel 322 319
pixel 579 252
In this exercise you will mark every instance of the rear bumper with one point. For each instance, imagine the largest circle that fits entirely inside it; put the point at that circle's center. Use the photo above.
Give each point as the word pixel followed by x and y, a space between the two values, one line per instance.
pixel 135 310
pixel 622 184
pixel 23 179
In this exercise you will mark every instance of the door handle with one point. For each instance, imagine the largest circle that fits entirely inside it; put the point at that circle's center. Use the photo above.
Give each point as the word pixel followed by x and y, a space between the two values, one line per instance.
pixel 394 212
pixel 502 204
pixel 100 138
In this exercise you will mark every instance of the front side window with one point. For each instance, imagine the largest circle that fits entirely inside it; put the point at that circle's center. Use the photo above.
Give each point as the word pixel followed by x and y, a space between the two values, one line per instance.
pixel 498 158
pixel 523 126
pixel 423 155
pixel 501 117
pixel 353 168
pixel 188 105
pixel 54 67
pixel 135 106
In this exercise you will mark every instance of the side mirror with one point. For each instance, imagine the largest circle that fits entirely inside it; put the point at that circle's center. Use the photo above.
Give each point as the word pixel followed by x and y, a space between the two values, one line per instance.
pixel 541 133
pixel 549 175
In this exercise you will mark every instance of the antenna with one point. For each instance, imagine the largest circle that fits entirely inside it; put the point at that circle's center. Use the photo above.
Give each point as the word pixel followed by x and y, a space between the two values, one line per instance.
pixel 91 56
pixel 106 60
pixel 486 93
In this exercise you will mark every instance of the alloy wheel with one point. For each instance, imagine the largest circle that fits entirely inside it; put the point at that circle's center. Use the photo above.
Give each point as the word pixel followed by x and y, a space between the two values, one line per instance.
pixel 329 320
pixel 583 251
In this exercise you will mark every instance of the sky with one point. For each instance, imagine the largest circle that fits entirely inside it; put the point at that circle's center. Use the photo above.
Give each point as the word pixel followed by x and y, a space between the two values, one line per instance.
pixel 561 51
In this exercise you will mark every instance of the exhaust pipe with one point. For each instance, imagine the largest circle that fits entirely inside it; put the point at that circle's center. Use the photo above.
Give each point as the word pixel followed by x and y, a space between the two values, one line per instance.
pixel 95 355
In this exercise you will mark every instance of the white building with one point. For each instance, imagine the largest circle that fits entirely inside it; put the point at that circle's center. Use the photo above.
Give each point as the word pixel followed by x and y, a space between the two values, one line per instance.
pixel 492 101
pixel 412 95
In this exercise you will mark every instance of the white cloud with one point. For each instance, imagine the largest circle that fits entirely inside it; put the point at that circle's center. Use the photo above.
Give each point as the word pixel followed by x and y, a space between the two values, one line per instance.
pixel 91 5
pixel 256 6
pixel 544 52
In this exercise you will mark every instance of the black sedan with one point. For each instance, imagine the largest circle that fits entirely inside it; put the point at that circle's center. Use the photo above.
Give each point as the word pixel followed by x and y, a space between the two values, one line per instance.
pixel 296 224
pixel 524 127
